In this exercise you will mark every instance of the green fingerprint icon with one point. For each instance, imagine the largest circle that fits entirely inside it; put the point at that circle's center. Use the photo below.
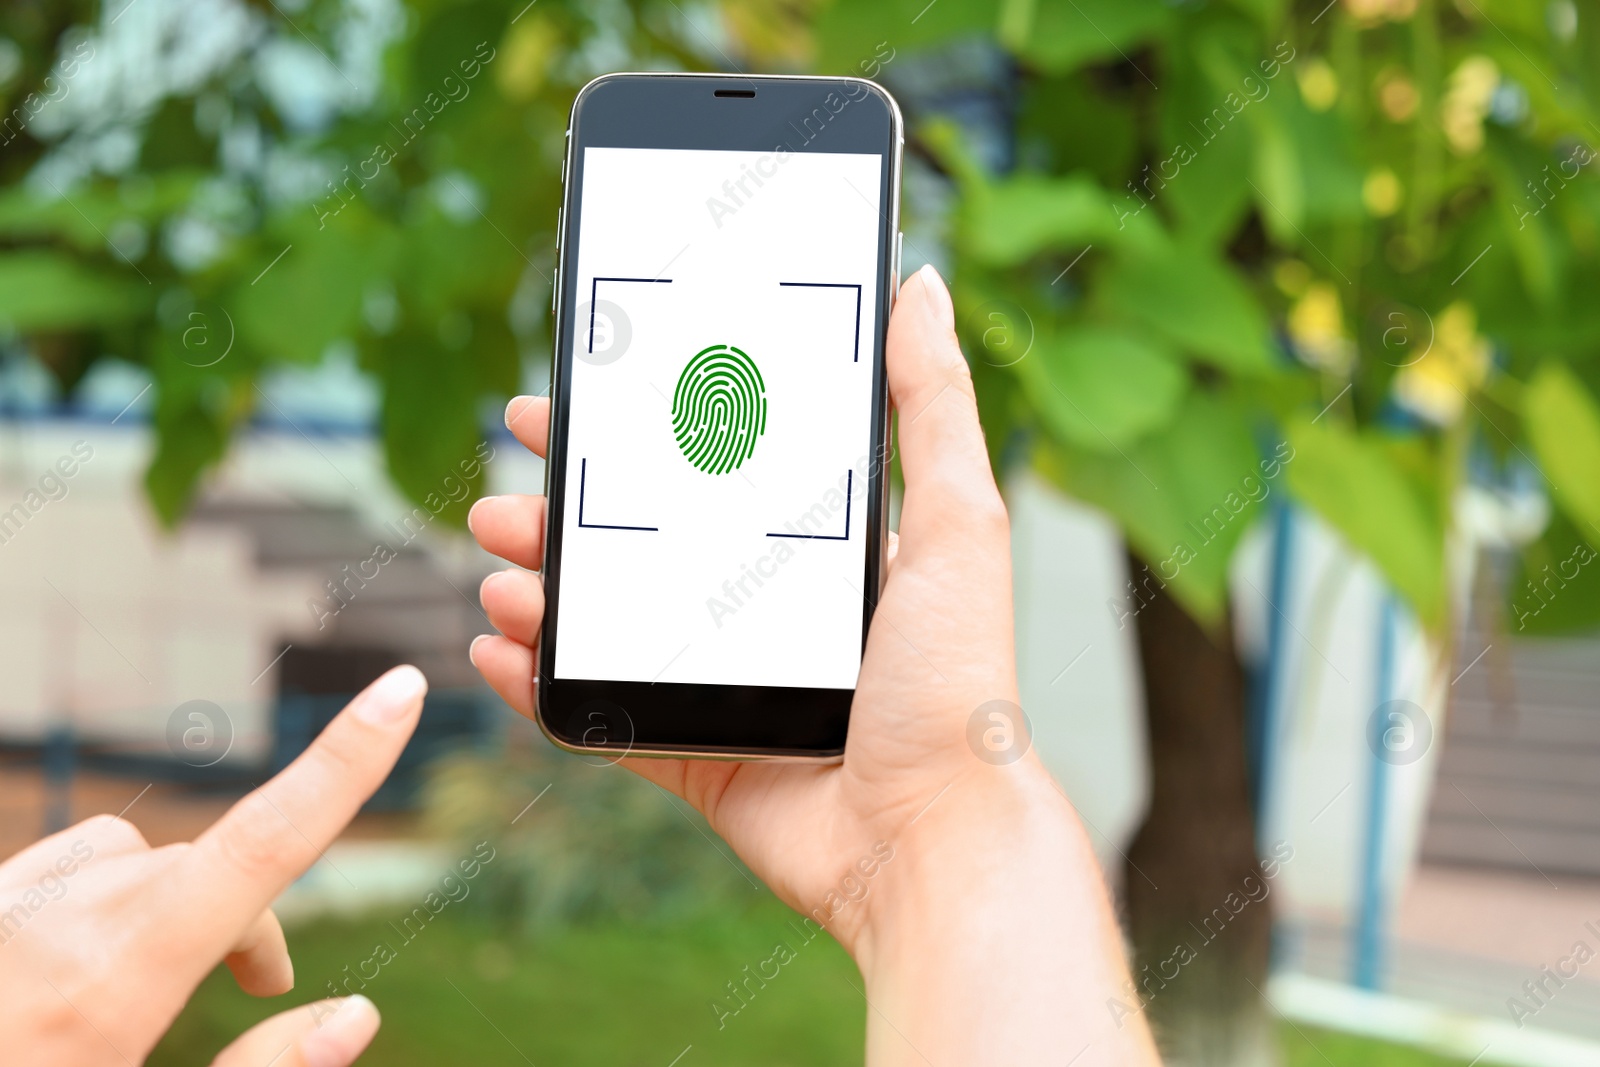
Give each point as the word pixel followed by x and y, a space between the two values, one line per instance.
pixel 719 409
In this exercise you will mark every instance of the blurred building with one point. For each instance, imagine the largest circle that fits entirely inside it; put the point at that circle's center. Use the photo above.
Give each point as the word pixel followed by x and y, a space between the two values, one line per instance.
pixel 212 653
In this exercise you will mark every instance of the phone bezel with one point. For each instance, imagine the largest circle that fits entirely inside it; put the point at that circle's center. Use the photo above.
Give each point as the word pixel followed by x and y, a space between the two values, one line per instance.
pixel 682 111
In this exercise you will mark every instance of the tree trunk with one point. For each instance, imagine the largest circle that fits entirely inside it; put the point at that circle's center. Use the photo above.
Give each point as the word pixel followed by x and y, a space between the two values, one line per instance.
pixel 1198 907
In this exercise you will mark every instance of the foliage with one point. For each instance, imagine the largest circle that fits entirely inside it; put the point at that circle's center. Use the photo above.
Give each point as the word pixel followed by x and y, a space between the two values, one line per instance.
pixel 1361 235
pixel 580 839
pixel 1360 229
pixel 411 217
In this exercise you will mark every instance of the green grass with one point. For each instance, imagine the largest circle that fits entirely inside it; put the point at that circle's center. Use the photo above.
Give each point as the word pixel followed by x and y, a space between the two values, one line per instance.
pixel 1307 1047
pixel 616 995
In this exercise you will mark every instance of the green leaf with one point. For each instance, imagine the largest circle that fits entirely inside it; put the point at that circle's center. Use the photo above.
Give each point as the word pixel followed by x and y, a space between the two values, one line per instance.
pixel 1536 242
pixel 1067 35
pixel 451 34
pixel 1563 424
pixel 430 425
pixel 1002 410
pixel 196 410
pixel 492 351
pixel 849 33
pixel 1100 388
pixel 171 139
pixel 85 215
pixel 1279 185
pixel 1267 12
pixel 1009 221
pixel 1355 484
pixel 312 295
pixel 1306 169
pixel 1072 123
pixel 188 441
pixel 1556 588
pixel 1183 496
pixel 53 291
pixel 1205 149
pixel 1194 301
pixel 442 265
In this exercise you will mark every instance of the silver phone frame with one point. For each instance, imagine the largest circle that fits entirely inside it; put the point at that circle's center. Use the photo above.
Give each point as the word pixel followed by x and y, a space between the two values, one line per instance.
pixel 896 161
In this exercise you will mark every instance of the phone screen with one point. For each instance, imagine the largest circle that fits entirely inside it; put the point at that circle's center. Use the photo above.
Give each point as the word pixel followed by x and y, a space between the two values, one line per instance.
pixel 719 449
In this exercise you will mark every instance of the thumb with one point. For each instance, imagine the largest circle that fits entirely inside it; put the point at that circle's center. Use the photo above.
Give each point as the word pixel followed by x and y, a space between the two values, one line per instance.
pixel 950 492
pixel 327 1033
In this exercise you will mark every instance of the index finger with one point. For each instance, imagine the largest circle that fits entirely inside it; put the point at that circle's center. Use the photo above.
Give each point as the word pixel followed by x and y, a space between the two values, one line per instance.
pixel 268 839
pixel 528 419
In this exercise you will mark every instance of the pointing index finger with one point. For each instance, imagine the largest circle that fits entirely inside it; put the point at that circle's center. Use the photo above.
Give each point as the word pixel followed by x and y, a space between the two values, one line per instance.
pixel 269 838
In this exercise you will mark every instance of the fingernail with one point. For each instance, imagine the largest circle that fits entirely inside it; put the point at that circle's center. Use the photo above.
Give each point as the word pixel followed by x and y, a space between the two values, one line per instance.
pixel 515 408
pixel 483 586
pixel 389 699
pixel 944 311
pixel 339 1038
pixel 472 649
pixel 473 511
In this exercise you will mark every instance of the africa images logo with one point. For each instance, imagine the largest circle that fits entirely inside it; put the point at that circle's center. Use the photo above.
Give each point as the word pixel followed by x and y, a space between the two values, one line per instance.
pixel 719 409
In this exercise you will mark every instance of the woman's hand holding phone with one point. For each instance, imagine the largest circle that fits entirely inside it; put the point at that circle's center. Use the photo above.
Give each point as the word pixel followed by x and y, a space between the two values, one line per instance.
pixel 966 891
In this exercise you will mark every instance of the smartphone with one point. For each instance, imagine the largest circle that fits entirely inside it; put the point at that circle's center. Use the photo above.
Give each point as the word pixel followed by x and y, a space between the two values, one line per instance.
pixel 716 474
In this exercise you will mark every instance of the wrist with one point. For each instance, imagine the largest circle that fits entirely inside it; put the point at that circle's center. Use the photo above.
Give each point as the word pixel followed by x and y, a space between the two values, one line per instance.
pixel 992 917
pixel 991 836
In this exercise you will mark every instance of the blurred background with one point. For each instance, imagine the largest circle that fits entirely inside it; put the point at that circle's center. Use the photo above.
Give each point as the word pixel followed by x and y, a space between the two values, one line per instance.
pixel 1284 322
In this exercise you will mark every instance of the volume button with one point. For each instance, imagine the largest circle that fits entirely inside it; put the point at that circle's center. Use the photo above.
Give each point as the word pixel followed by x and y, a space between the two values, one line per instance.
pixel 555 284
pixel 899 244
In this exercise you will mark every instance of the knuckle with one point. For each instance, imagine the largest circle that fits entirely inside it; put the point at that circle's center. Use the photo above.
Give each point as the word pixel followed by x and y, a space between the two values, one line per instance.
pixel 112 831
pixel 995 506
pixel 177 851
pixel 56 1023
pixel 960 365
pixel 969 399
pixel 986 510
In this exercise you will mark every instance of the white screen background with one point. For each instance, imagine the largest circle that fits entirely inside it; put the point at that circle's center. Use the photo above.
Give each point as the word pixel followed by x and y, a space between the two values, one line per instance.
pixel 634 605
